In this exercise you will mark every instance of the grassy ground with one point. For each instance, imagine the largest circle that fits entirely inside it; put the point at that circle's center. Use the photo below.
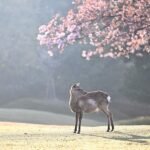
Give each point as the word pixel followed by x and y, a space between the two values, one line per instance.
pixel 15 136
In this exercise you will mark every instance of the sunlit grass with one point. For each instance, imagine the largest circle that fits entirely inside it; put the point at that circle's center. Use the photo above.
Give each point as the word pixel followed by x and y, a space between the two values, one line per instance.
pixel 15 136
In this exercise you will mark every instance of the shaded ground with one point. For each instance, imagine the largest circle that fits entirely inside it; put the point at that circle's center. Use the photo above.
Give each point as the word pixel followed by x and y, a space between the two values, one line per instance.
pixel 50 137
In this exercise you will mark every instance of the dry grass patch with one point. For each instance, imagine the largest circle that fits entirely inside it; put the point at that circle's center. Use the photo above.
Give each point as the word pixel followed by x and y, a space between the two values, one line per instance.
pixel 50 137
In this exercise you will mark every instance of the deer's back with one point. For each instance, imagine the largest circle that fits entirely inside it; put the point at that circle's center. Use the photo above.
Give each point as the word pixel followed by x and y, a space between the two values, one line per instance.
pixel 92 101
pixel 97 95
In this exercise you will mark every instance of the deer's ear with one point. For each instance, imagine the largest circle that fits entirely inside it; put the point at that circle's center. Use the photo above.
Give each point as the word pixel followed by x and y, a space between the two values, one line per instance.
pixel 78 84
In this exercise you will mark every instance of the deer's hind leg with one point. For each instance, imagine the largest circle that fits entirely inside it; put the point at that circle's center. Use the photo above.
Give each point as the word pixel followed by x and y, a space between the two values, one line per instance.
pixel 111 120
pixel 109 116
pixel 107 112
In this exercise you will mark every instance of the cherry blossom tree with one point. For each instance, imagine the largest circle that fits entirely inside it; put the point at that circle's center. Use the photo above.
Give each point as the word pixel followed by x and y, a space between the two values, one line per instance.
pixel 113 28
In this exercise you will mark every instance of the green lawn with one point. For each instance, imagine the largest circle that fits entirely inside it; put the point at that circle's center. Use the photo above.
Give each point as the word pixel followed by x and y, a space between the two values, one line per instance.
pixel 14 136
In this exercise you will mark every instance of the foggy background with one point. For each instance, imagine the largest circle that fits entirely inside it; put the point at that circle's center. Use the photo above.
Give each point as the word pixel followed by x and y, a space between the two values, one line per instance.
pixel 35 87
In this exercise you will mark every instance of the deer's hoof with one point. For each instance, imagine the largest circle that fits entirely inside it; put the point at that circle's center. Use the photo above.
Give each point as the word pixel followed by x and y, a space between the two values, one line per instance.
pixel 112 130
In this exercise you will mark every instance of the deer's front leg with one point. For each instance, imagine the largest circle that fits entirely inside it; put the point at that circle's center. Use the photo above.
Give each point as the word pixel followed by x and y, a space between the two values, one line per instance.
pixel 80 119
pixel 76 122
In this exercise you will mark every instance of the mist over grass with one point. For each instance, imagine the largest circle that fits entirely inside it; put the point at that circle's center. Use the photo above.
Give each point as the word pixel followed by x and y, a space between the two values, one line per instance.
pixel 40 117
pixel 143 120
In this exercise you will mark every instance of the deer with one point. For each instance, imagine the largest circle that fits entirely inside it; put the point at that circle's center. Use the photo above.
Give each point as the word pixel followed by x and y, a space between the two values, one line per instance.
pixel 81 101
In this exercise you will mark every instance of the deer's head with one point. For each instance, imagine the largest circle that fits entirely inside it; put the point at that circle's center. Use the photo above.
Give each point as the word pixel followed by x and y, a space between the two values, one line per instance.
pixel 76 90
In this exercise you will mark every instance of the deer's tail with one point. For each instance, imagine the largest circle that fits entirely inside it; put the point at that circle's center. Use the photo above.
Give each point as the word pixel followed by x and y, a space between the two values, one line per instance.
pixel 109 99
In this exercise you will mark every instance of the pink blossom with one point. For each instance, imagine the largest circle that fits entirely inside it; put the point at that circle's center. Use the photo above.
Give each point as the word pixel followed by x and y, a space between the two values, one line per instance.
pixel 139 54
pixel 89 23
pixel 71 37
pixel 71 28
pixel 43 39
pixel 60 43
pixel 84 54
pixel 60 35
pixel 109 55
pixel 90 53
pixel 42 28
pixel 50 53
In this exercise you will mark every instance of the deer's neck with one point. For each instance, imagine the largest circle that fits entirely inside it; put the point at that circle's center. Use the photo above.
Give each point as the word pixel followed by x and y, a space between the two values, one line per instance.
pixel 73 98
pixel 75 95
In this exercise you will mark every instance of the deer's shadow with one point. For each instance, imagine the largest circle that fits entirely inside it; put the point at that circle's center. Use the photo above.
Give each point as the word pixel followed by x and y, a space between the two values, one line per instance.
pixel 124 137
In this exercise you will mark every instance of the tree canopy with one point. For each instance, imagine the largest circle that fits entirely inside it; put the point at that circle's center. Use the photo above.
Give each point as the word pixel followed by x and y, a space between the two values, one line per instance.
pixel 113 28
